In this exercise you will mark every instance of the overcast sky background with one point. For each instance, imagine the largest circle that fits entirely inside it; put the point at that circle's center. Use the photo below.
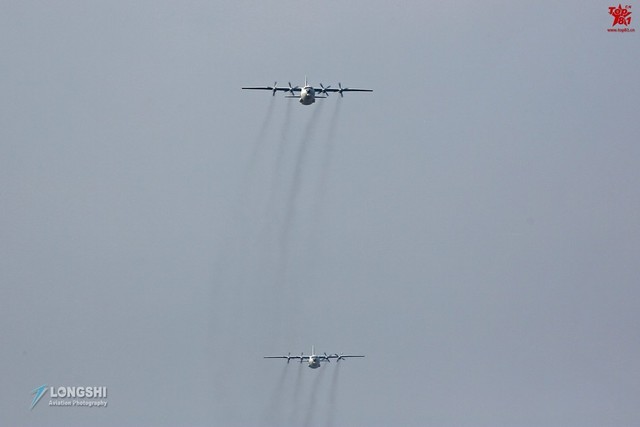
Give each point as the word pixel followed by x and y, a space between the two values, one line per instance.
pixel 472 226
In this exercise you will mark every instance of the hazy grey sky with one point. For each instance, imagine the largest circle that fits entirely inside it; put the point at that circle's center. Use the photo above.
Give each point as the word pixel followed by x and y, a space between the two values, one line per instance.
pixel 472 226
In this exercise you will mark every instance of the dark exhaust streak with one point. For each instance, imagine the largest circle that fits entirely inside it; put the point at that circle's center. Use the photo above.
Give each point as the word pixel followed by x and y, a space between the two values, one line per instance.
pixel 275 408
pixel 313 398
pixel 293 416
pixel 326 161
pixel 333 396
pixel 290 206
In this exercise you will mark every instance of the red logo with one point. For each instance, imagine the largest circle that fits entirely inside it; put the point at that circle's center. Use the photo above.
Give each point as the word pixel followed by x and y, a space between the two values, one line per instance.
pixel 621 15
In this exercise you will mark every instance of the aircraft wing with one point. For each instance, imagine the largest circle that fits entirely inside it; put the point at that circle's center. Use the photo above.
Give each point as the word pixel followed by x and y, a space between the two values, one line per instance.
pixel 274 88
pixel 346 89
pixel 339 89
pixel 341 356
pixel 289 357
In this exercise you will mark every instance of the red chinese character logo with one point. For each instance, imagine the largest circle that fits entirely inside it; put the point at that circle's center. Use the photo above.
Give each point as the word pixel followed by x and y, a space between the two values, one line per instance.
pixel 620 15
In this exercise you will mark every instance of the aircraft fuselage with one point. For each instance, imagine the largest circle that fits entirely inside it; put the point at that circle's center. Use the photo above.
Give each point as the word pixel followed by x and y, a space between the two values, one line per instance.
pixel 307 97
pixel 314 361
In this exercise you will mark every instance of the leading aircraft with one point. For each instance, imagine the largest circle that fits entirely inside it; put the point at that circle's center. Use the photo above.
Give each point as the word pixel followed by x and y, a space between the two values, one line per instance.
pixel 308 94
pixel 314 360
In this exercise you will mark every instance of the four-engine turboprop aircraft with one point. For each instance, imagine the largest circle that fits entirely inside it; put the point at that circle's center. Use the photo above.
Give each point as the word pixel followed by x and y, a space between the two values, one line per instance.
pixel 308 93
pixel 314 360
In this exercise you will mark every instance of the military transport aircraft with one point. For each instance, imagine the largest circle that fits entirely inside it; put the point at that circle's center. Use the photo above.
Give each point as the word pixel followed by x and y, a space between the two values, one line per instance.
pixel 308 94
pixel 314 360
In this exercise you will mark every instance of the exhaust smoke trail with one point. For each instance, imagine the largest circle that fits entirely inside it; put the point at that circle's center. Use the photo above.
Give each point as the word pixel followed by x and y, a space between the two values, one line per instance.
pixel 258 143
pixel 313 399
pixel 326 162
pixel 272 219
pixel 249 173
pixel 288 222
pixel 236 235
pixel 240 208
pixel 274 410
pixel 296 397
pixel 277 175
pixel 307 137
pixel 333 396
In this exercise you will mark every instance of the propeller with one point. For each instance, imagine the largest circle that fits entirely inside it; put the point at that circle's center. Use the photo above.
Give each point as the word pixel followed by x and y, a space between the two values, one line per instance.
pixel 324 89
pixel 340 357
pixel 301 354
pixel 341 96
pixel 273 93
pixel 288 355
pixel 291 89
pixel 325 355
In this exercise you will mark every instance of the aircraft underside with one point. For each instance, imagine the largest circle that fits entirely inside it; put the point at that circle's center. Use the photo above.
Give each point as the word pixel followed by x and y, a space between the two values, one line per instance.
pixel 307 100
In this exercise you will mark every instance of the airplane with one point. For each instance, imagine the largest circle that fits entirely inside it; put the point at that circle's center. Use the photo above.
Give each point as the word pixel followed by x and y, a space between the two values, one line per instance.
pixel 308 94
pixel 314 360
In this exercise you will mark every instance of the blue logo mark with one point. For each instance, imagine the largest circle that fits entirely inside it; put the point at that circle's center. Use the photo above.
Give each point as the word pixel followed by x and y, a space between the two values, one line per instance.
pixel 39 392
